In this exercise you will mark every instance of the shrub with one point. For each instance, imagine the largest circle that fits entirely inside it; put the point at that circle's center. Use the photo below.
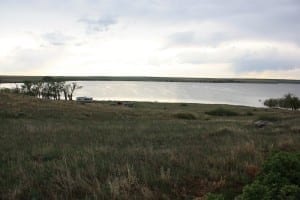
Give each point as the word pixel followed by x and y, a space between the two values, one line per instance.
pixel 189 116
pixel 249 113
pixel 270 118
pixel 8 114
pixel 271 103
pixel 5 90
pixel 288 101
pixel 183 104
pixel 279 179
pixel 221 112
pixel 15 90
pixel 211 196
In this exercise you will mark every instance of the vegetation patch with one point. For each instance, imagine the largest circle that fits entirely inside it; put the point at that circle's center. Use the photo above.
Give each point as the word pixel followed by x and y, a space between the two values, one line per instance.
pixel 222 132
pixel 249 113
pixel 10 114
pixel 289 101
pixel 270 118
pixel 211 196
pixel 64 150
pixel 279 179
pixel 188 116
pixel 222 112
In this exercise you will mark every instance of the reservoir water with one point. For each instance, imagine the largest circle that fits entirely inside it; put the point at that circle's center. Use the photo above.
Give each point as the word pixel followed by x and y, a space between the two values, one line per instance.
pixel 212 93
pixel 248 94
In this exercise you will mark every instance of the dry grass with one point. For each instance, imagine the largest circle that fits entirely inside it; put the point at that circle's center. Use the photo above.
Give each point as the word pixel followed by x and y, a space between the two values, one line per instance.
pixel 65 150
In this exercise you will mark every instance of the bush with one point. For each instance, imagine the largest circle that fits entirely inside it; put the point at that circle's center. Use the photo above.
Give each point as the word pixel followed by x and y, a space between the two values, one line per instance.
pixel 288 101
pixel 271 118
pixel 279 179
pixel 15 90
pixel 8 114
pixel 271 103
pixel 221 112
pixel 5 90
pixel 189 116
pixel 249 113
pixel 211 196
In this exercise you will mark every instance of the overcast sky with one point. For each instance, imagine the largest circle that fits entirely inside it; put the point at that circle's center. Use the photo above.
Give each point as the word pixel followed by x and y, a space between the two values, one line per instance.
pixel 195 38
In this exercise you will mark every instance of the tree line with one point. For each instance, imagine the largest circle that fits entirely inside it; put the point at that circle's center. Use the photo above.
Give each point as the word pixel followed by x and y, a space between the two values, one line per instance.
pixel 289 101
pixel 48 88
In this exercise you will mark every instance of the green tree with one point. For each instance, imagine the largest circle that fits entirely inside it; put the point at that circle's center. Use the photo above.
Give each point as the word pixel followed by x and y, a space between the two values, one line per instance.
pixel 289 101
pixel 271 103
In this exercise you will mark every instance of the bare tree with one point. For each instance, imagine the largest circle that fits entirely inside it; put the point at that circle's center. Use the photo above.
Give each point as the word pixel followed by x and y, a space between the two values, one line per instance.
pixel 50 88
pixel 66 91
pixel 73 86
pixel 27 88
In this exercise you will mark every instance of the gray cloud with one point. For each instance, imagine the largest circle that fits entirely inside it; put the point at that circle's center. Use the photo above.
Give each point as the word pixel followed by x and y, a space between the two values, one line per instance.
pixel 253 64
pixel 190 38
pixel 272 58
pixel 266 20
pixel 176 22
pixel 57 38
pixel 98 25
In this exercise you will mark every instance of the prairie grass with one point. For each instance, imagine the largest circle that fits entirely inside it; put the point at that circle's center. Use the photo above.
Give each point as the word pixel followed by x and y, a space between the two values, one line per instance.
pixel 65 150
pixel 188 116
pixel 222 112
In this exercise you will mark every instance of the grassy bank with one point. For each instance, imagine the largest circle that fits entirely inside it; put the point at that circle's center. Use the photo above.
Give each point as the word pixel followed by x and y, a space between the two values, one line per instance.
pixel 19 79
pixel 105 150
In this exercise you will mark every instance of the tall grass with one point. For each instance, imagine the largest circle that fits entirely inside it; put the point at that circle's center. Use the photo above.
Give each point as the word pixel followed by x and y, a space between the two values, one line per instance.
pixel 64 150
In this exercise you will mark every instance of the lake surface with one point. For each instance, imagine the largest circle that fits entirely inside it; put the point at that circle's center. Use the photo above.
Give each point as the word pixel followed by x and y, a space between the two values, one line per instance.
pixel 215 93
pixel 248 94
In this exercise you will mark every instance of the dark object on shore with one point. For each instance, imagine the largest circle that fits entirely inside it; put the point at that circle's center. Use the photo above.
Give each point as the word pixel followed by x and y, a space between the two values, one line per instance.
pixel 84 99
pixel 262 123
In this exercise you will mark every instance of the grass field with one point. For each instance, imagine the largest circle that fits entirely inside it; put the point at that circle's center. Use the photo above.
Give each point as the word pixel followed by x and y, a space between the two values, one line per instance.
pixel 105 150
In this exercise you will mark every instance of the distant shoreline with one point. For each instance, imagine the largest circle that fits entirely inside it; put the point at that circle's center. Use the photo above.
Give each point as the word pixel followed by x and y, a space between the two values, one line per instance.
pixel 19 79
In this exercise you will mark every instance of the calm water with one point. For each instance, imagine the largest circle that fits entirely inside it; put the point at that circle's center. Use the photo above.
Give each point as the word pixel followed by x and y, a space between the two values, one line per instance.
pixel 217 93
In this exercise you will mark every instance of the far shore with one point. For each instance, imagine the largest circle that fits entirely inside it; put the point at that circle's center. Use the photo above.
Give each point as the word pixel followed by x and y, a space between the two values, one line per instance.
pixel 20 79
